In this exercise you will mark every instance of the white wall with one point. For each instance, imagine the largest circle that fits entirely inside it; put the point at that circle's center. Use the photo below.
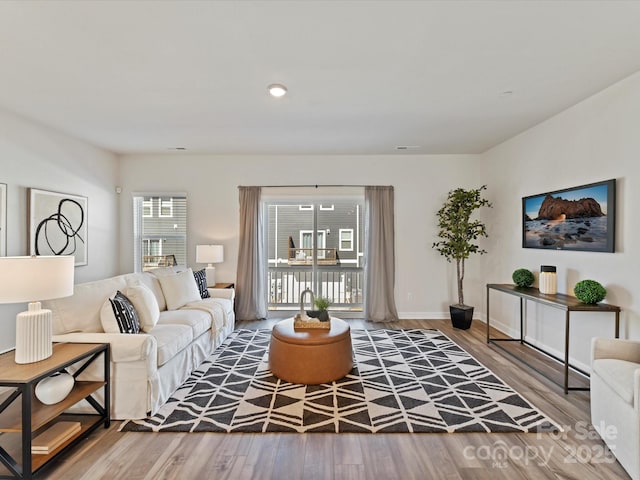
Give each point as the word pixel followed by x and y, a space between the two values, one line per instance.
pixel 595 140
pixel 421 184
pixel 35 156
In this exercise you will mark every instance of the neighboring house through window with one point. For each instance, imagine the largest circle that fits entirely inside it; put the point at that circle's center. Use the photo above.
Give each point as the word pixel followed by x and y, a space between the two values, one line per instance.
pixel 315 240
pixel 159 239
pixel 152 246
pixel 147 208
pixel 306 242
pixel 166 207
pixel 346 239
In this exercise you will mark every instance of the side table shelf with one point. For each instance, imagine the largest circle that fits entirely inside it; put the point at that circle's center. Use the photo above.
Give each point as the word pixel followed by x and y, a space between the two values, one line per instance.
pixel 23 416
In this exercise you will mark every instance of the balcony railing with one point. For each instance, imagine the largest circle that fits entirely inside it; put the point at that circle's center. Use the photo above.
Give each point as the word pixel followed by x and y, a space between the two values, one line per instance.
pixel 304 256
pixel 155 261
pixel 342 285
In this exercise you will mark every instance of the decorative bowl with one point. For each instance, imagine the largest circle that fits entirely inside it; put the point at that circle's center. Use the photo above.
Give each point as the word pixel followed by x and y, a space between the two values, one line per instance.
pixel 55 388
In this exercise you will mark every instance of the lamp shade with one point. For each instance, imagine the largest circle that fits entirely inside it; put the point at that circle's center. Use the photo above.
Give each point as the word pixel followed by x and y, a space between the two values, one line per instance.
pixel 209 253
pixel 28 279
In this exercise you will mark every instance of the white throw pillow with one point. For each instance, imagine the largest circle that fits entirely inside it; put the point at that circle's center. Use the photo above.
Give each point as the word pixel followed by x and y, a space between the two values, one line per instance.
pixel 164 271
pixel 179 289
pixel 145 303
pixel 118 315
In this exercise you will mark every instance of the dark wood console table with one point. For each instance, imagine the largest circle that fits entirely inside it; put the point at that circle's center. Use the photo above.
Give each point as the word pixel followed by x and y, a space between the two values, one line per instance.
pixel 563 302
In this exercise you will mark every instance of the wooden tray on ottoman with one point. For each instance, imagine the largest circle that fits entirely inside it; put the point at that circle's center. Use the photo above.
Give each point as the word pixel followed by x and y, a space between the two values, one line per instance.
pixel 304 321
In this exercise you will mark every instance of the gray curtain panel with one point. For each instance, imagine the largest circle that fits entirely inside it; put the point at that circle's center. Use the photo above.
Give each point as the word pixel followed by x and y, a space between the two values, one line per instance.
pixel 379 269
pixel 251 295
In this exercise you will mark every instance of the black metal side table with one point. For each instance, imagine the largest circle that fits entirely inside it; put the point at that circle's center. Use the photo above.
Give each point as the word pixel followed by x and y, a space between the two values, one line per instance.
pixel 23 416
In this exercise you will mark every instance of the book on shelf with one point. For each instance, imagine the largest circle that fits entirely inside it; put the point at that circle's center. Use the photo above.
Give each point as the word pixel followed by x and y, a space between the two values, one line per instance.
pixel 53 437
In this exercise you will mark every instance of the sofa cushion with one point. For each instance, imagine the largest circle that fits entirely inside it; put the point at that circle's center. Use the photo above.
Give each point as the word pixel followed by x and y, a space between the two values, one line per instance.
pixel 201 280
pixel 145 303
pixel 617 374
pixel 171 339
pixel 199 321
pixel 81 311
pixel 161 271
pixel 152 282
pixel 179 289
pixel 118 315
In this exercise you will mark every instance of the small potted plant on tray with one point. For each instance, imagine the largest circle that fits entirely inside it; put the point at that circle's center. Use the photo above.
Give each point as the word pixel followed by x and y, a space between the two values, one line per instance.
pixel 321 304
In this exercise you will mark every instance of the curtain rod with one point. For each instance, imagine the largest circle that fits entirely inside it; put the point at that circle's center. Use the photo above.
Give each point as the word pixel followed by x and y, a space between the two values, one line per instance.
pixel 315 185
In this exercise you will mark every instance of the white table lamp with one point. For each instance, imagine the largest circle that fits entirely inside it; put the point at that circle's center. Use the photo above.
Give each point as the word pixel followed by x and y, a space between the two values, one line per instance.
pixel 25 279
pixel 210 254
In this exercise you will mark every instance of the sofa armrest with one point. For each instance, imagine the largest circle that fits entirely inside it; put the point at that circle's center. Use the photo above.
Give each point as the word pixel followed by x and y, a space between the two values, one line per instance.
pixel 124 347
pixel 628 350
pixel 228 293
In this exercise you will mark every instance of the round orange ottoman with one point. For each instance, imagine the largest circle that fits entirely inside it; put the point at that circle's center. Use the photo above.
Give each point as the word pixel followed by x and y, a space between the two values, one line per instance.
pixel 310 356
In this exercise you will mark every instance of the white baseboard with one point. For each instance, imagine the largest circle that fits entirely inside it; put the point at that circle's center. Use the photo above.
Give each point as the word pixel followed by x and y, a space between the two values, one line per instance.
pixel 515 333
pixel 557 353
pixel 433 316
pixel 504 328
pixel 423 315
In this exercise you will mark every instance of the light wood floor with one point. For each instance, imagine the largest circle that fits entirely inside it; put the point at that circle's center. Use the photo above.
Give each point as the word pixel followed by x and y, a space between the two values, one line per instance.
pixel 576 454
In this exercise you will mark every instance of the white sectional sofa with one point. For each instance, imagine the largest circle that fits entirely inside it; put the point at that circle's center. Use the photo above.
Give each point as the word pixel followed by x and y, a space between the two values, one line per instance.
pixel 146 367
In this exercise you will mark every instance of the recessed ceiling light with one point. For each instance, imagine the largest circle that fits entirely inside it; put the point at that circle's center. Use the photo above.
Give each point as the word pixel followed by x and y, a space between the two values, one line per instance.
pixel 277 90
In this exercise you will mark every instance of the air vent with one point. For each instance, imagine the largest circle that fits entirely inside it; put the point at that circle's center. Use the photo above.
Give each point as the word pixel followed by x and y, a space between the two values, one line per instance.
pixel 407 147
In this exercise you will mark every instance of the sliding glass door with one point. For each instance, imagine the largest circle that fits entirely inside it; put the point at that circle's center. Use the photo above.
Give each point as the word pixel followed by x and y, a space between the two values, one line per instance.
pixel 315 242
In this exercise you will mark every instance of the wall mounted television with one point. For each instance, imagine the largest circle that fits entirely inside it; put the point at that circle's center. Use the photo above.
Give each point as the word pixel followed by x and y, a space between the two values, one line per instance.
pixel 578 218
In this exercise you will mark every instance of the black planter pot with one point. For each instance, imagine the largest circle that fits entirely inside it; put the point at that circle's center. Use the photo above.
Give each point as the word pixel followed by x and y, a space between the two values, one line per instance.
pixel 461 316
pixel 321 315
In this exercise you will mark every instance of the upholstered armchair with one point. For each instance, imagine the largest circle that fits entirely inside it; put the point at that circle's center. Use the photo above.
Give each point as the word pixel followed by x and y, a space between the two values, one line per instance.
pixel 615 398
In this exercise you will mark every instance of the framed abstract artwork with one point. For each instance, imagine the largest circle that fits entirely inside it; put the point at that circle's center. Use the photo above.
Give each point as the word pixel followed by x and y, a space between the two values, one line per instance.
pixel 58 224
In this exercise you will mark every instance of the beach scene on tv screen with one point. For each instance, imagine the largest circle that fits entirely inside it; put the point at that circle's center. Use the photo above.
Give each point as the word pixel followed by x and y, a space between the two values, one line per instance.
pixel 571 219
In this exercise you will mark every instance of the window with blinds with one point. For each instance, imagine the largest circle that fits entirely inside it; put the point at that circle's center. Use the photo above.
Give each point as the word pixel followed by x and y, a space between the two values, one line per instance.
pixel 159 230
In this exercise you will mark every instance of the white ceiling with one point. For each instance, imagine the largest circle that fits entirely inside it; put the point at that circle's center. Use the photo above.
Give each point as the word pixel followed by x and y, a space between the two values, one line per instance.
pixel 363 76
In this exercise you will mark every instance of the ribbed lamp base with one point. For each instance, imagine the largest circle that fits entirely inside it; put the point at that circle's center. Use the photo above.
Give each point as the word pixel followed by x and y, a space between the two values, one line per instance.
pixel 211 275
pixel 33 334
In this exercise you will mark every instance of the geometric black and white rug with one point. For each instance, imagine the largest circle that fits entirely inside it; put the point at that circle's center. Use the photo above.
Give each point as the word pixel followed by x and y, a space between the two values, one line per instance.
pixel 412 380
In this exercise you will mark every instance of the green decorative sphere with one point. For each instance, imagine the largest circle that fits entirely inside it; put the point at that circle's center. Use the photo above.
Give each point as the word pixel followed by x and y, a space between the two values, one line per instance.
pixel 522 277
pixel 589 291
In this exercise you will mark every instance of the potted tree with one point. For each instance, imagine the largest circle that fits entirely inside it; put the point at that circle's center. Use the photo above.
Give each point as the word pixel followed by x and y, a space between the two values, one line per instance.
pixel 457 234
